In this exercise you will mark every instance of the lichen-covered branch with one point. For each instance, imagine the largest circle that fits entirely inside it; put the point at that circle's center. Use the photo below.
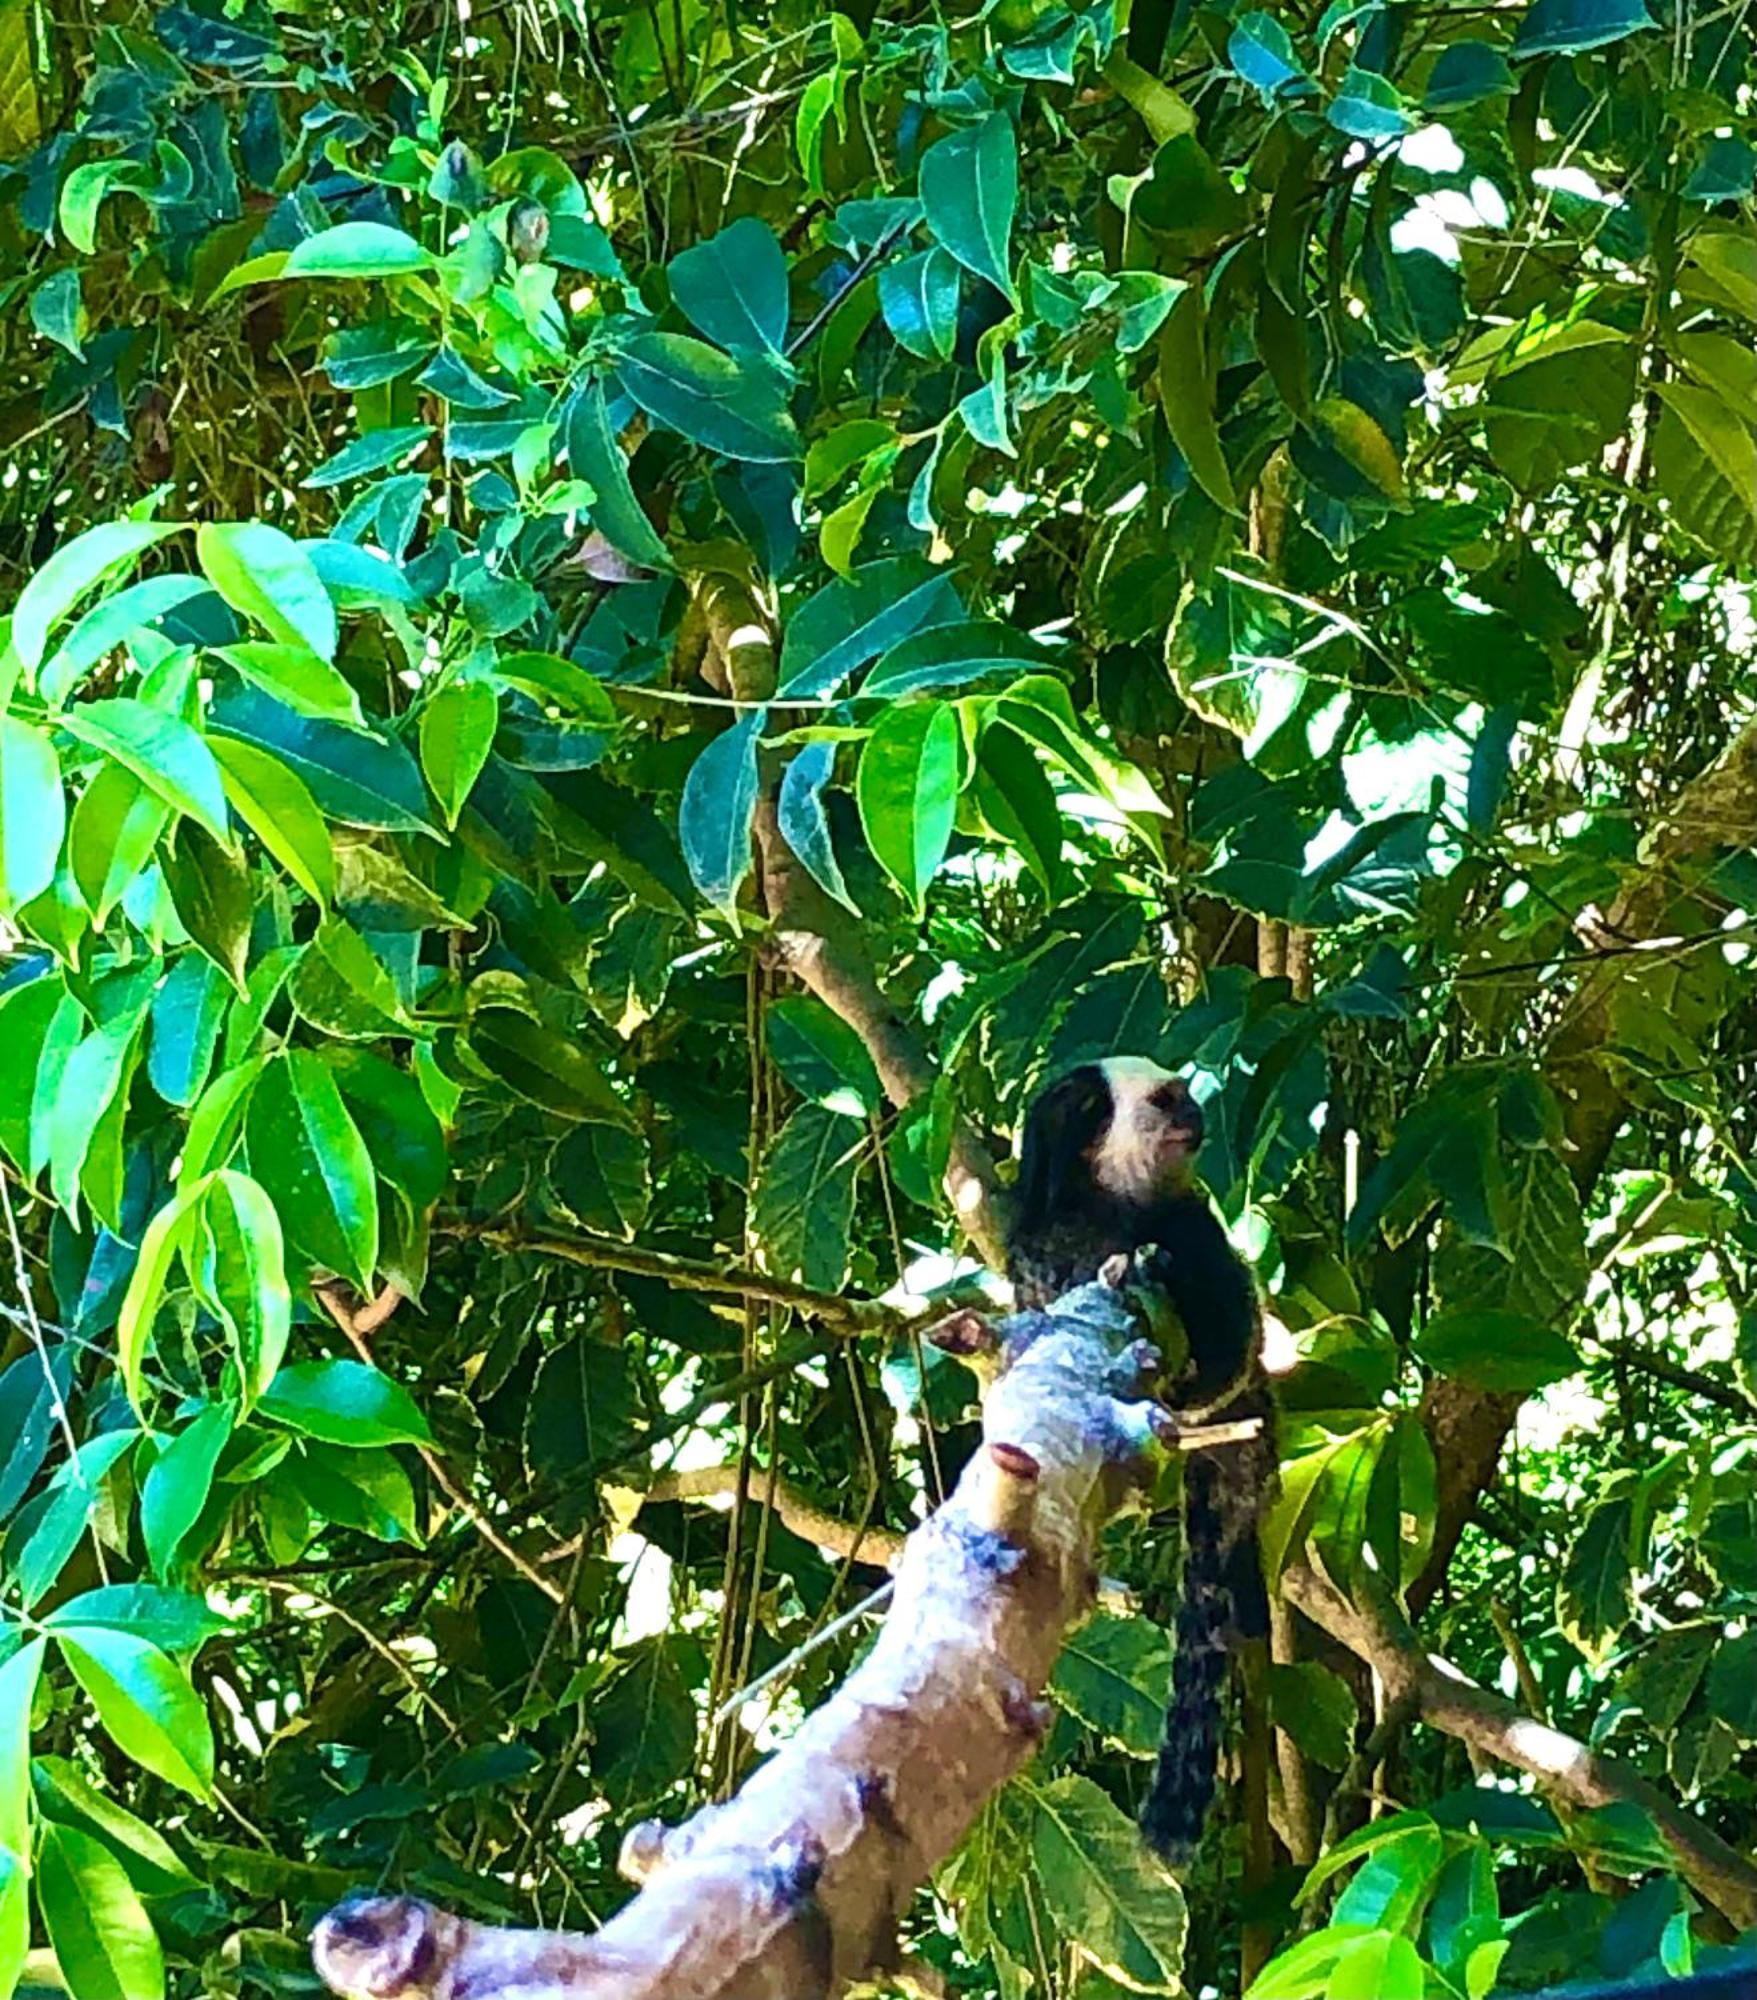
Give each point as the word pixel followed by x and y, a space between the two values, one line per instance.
pixel 1427 1688
pixel 792 1889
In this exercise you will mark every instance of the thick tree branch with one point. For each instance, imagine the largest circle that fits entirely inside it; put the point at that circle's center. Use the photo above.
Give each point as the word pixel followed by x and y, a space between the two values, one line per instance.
pixel 792 1889
pixel 1434 1691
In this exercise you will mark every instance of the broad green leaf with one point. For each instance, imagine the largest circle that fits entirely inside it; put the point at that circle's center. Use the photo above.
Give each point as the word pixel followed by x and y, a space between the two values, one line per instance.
pixel 1014 795
pixel 1705 460
pixel 77 567
pixel 358 250
pixel 1731 1688
pixel 919 299
pixel 733 287
pixel 405 1139
pixel 1354 434
pixel 104 1942
pixel 66 1796
pixel 1567 27
pixel 553 681
pixel 27 1414
pixel 1115 1675
pixel 1262 52
pixel 145 1702
pixel 28 1013
pixel 33 812
pixel 1186 394
pixel 969 192
pixel 594 455
pixel 1316 1709
pixel 175 1621
pixel 211 886
pixel 713 822
pixel 1466 73
pixel 803 822
pixel 240 1275
pixel 1381 1966
pixel 364 1489
pixel 341 986
pixel 457 733
pixel 68 1508
pixel 276 804
pixel 1368 107
pixel 116 825
pixel 162 751
pixel 358 779
pixel 950 655
pixel 734 408
pixel 1595 1591
pixel 858 617
pixel 18 1687
pixel 344 1402
pixel 821 1056
pixel 295 676
pixel 584 1414
pixel 1103 1890
pixel 308 1155
pixel 545 1068
pixel 1394 1881
pixel 99 1068
pixel 1496 1350
pixel 601 1174
pixel 165 1236
pixel 108 624
pixel 177 1485
pixel 1303 1970
pixel 907 788
pixel 267 576
pixel 803 1204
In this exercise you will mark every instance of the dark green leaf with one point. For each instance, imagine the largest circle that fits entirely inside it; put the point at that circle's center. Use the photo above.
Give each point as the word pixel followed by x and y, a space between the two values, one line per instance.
pixel 733 408
pixel 346 1403
pixel 1569 26
pixel 211 887
pixel 1496 1350
pixel 969 192
pixel 307 1152
pixel 1115 1675
pixel 733 287
pixel 804 1200
pixel 714 819
pixel 595 456
pixel 353 777
pixel 821 1056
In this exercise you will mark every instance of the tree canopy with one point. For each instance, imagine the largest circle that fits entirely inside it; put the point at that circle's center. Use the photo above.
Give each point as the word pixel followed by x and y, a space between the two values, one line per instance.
pixel 626 623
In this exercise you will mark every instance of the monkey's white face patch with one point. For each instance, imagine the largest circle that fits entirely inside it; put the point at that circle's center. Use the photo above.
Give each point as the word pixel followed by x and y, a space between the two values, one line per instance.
pixel 1146 1147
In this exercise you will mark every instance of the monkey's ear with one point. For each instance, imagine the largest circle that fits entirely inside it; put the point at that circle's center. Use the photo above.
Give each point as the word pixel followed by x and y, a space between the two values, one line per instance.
pixel 1059 1130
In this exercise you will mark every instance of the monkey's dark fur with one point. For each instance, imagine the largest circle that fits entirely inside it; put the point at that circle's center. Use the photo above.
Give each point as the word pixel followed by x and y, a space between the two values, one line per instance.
pixel 1106 1165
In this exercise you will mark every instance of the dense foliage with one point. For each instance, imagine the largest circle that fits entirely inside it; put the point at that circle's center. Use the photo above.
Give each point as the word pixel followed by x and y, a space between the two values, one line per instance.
pixel 1214 533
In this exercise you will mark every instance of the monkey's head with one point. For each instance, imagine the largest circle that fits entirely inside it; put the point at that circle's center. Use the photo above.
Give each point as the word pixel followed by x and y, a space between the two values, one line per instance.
pixel 1121 1133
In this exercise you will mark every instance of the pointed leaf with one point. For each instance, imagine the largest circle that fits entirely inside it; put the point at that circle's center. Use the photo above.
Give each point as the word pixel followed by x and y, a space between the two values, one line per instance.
pixel 269 578
pixel 162 751
pixel 80 565
pixel 804 824
pixel 33 813
pixel 145 1702
pixel 104 1942
pixel 307 1153
pixel 969 192
pixel 719 797
pixel 733 287
pixel 594 455
pixel 907 788
pixel 457 733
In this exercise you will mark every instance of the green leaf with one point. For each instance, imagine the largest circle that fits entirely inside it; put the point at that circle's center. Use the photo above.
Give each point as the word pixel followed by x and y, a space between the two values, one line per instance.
pixel 66 1796
pixel 907 788
pixel 601 1173
pixel 1565 27
pixel 1316 1709
pixel 344 1402
pixel 594 455
pixel 405 1139
pixel 1368 107
pixel 731 408
pixel 858 617
pixel 308 1154
pixel 366 455
pixel 175 1621
pixel 803 1204
pixel 97 1070
pixel 296 676
pixel 1303 1971
pixel 821 1056
pixel 1014 795
pixel 584 1415
pixel 1466 73
pixel 1103 1891
pixel 733 287
pixel 457 733
pixel 355 778
pixel 804 824
pixel 108 624
pixel 165 1236
pixel 267 576
pixel 358 250
pixel 1731 1690
pixel 145 1702
pixel 363 1489
pixel 969 193
pixel 75 568
pixel 241 1277
pixel 18 1688
pixel 546 1069
pixel 69 1507
pixel 1393 1883
pixel 1350 431
pixel 1705 460
pixel 33 813
pixel 276 804
pixel 116 825
pixel 103 1939
pixel 211 887
pixel 179 1481
pixel 919 300
pixel 342 987
pixel 551 680
pixel 1595 1591
pixel 162 751
pixel 1380 1966
pixel 1115 1675
pixel 951 655
pixel 713 821
pixel 1262 52
pixel 1496 1350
